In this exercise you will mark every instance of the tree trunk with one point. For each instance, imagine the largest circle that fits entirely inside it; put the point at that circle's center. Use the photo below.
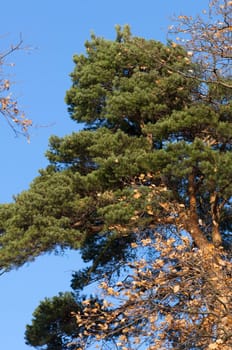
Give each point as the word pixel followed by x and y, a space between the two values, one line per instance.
pixel 216 235
pixel 192 224
pixel 218 322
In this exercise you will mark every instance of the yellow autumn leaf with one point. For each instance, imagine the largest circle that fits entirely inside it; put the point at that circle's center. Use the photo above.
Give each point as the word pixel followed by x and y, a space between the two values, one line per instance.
pixel 146 241
pixel 122 337
pixel 149 210
pixel 176 288
pixel 141 176
pixel 164 205
pixel 137 195
pixel 110 291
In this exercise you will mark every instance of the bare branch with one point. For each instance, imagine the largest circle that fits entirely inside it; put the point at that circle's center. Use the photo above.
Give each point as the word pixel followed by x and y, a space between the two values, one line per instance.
pixel 8 104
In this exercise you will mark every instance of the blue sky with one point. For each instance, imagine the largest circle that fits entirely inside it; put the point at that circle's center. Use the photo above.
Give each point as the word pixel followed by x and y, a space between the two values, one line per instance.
pixel 55 30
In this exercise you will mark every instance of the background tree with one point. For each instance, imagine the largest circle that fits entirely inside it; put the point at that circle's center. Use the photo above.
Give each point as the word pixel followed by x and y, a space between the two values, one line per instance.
pixel 54 326
pixel 149 176
pixel 8 104
pixel 207 39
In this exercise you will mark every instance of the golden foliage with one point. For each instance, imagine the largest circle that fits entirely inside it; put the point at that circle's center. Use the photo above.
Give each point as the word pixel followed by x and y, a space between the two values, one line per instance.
pixel 162 303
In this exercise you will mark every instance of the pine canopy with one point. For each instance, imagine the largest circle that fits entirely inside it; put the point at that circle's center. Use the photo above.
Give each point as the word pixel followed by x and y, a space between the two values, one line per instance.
pixel 146 131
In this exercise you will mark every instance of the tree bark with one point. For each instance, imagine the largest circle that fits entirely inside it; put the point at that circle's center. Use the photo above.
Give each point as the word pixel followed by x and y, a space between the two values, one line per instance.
pixel 192 224
pixel 216 235
pixel 216 282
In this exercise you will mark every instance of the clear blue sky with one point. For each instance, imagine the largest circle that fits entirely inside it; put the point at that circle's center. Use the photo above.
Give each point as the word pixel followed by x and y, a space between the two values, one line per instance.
pixel 56 30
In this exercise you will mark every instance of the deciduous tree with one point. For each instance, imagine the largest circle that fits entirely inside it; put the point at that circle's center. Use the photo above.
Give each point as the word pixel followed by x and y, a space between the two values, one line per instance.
pixel 8 104
pixel 207 39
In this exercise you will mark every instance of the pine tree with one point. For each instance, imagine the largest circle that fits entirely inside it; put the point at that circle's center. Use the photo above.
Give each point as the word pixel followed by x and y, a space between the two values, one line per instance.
pixel 149 175
pixel 119 88
pixel 54 327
